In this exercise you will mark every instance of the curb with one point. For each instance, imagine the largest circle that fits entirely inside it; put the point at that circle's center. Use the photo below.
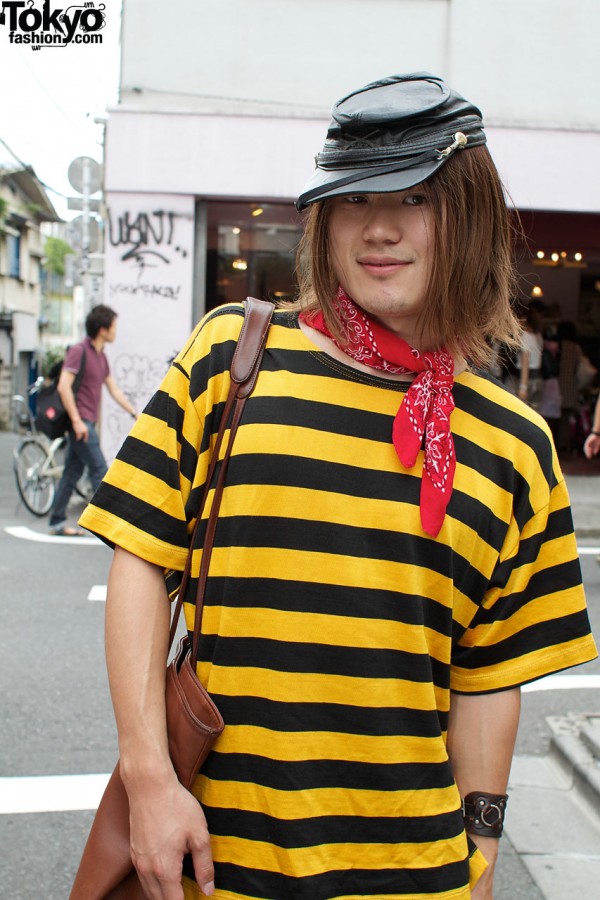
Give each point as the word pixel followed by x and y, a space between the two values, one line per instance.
pixel 575 746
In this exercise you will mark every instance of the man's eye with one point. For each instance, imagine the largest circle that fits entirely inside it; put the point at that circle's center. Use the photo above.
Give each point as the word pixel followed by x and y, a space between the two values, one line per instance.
pixel 415 199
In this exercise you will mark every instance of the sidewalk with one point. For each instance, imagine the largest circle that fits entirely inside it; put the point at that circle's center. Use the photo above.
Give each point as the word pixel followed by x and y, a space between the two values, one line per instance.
pixel 584 491
pixel 553 821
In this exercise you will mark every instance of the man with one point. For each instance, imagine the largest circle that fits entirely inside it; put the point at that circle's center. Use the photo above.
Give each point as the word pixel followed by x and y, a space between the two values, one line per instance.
pixel 394 555
pixel 85 368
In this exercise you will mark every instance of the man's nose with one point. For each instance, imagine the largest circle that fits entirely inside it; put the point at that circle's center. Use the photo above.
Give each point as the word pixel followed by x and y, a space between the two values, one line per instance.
pixel 383 224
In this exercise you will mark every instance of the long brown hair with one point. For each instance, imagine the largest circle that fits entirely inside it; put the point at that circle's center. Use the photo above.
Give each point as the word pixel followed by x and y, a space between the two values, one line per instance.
pixel 472 280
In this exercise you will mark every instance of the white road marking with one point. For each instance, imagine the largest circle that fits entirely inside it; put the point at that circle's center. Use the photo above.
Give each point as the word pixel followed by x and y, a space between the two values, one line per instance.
pixel 563 683
pixel 28 534
pixel 588 551
pixel 98 592
pixel 51 793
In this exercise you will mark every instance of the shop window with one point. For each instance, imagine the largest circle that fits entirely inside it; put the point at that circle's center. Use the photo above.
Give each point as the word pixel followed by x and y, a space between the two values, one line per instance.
pixel 251 251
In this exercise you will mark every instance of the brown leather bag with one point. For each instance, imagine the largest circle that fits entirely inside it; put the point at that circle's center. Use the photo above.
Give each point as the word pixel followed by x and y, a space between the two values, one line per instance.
pixel 106 871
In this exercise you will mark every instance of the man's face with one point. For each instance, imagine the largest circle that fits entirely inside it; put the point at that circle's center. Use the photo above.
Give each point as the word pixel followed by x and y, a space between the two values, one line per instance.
pixel 109 334
pixel 381 249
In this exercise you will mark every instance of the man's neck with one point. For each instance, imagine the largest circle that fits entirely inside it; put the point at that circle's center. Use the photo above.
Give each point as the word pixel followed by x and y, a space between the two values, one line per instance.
pixel 328 346
pixel 325 343
pixel 98 343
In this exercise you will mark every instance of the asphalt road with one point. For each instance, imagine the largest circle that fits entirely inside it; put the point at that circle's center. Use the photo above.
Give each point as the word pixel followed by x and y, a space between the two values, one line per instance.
pixel 56 717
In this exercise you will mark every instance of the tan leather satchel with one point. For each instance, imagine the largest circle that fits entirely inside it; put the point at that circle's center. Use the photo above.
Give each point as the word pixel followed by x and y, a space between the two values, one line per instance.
pixel 106 871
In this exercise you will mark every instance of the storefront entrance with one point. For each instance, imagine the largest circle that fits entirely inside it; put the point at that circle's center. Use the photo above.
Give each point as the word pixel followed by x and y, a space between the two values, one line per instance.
pixel 251 251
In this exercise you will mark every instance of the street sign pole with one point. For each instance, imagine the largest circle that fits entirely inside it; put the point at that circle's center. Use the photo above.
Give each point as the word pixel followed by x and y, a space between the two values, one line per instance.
pixel 85 177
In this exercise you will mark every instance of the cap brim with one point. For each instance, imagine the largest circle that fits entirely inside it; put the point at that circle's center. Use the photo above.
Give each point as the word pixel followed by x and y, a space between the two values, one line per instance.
pixel 334 183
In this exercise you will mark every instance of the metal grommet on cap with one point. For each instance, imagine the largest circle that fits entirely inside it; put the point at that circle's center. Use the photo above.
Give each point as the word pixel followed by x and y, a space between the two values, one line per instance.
pixel 459 143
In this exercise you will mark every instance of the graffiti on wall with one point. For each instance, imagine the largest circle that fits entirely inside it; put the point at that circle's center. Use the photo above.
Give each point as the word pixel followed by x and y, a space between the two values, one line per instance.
pixel 149 278
pixel 138 377
pixel 147 243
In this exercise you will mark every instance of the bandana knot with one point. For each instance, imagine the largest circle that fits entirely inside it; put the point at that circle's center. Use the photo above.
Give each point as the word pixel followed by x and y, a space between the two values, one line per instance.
pixel 424 414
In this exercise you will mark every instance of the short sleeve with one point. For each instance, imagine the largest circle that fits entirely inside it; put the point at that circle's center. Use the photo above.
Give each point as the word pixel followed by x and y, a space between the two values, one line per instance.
pixel 149 499
pixel 73 357
pixel 533 620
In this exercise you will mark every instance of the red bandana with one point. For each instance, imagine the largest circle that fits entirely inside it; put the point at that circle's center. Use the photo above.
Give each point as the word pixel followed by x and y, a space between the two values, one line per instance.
pixel 425 410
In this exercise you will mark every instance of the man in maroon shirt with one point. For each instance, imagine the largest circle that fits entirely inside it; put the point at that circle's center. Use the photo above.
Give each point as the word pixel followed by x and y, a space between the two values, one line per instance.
pixel 83 448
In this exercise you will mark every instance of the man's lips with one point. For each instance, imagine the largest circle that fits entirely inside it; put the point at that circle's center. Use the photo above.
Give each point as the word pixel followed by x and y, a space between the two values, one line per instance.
pixel 382 265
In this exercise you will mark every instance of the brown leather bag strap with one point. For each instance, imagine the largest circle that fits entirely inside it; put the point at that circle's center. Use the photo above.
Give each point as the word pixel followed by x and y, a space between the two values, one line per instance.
pixel 245 366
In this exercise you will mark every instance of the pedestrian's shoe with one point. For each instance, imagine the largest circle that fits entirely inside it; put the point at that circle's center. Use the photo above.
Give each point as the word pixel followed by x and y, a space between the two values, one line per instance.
pixel 67 531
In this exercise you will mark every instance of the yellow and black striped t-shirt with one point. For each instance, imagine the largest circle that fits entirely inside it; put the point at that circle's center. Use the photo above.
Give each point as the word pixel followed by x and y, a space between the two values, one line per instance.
pixel 334 627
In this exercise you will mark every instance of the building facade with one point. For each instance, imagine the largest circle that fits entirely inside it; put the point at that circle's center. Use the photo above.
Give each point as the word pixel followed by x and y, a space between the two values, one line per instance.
pixel 223 106
pixel 24 207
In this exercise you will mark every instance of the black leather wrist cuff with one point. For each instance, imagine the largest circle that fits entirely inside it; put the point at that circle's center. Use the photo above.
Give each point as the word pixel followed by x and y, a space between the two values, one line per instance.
pixel 484 813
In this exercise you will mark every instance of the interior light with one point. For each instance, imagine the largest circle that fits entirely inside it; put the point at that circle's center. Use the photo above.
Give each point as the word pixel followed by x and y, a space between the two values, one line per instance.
pixel 258 211
pixel 555 257
pixel 235 230
pixel 240 264
pixel 540 254
pixel 563 254
pixel 537 291
pixel 578 257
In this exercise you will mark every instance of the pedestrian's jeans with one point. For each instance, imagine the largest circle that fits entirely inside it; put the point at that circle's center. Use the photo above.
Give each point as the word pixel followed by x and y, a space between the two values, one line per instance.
pixel 79 455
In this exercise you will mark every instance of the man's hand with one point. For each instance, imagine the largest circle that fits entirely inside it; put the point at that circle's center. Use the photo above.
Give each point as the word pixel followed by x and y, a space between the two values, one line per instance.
pixel 65 392
pixel 484 889
pixel 166 823
pixel 80 430
pixel 592 445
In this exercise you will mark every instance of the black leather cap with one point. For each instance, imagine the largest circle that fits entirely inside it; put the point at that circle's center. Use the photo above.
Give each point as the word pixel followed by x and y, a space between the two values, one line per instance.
pixel 391 135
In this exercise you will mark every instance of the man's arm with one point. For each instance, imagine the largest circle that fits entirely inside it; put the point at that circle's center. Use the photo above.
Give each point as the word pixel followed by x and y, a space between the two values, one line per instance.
pixel 118 396
pixel 65 392
pixel 482 731
pixel 166 820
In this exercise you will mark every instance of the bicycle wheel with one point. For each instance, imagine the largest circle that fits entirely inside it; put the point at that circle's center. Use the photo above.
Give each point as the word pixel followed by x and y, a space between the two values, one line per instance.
pixel 83 488
pixel 36 489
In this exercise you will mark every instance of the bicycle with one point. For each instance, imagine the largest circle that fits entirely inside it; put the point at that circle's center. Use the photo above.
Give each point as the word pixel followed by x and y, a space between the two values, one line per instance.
pixel 36 464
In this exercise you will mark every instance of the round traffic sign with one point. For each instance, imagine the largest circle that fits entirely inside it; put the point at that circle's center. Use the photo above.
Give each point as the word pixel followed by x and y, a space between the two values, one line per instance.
pixel 85 172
